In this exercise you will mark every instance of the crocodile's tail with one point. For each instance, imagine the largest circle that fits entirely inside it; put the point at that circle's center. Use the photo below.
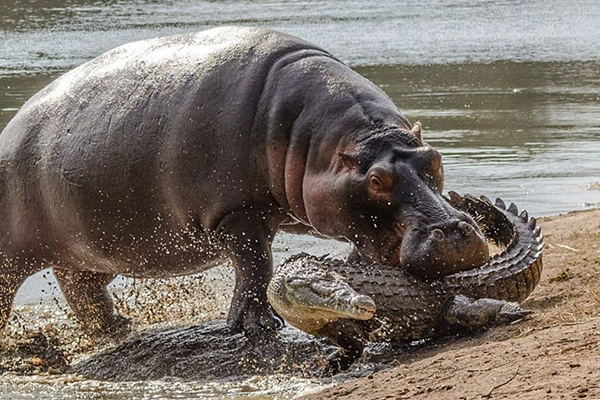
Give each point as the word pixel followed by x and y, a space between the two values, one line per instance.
pixel 511 275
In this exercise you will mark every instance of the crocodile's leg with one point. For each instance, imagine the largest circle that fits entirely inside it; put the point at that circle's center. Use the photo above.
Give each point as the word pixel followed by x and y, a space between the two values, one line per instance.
pixel 349 336
pixel 462 311
pixel 88 297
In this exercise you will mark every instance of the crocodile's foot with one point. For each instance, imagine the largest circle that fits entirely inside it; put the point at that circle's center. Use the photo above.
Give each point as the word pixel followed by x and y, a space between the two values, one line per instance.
pixel 510 312
pixel 468 313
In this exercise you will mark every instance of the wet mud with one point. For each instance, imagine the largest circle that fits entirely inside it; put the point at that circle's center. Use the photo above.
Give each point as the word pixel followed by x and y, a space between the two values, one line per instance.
pixel 37 353
pixel 207 352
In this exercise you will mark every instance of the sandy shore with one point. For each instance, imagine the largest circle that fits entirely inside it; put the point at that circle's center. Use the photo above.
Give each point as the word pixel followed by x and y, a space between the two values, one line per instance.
pixel 593 186
pixel 553 354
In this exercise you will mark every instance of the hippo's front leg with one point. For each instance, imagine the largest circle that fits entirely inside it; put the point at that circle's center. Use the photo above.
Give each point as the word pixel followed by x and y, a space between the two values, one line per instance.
pixel 248 237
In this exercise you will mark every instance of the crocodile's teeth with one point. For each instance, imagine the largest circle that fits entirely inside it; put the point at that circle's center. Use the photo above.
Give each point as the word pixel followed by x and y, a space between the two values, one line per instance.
pixel 500 204
pixel 513 209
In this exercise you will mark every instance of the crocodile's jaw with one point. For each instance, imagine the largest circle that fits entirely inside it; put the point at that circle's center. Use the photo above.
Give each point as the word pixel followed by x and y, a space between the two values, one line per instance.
pixel 311 302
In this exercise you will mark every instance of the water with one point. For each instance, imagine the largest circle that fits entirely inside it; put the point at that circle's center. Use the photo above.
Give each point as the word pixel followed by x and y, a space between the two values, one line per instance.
pixel 508 91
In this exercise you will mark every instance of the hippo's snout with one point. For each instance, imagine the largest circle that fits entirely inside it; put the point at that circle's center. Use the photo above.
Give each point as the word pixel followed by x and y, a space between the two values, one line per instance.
pixel 442 249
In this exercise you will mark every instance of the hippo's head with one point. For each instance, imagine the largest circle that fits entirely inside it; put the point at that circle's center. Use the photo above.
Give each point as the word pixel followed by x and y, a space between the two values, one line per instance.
pixel 386 198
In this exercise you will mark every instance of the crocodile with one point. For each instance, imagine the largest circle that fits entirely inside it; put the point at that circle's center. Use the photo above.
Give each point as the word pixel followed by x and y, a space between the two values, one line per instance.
pixel 354 302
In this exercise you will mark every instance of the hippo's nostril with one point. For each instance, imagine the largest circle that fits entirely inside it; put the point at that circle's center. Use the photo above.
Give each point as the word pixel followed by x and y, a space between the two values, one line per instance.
pixel 465 227
pixel 437 234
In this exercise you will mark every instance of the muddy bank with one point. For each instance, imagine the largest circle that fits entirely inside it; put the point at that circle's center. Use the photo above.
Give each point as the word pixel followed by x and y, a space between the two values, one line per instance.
pixel 553 354
pixel 208 352
pixel 593 186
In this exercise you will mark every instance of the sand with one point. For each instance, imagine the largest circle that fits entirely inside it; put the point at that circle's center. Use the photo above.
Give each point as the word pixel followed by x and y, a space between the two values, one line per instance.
pixel 552 354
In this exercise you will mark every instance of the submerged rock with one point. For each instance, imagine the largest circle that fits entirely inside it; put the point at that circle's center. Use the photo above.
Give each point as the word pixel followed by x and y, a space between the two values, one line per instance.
pixel 206 352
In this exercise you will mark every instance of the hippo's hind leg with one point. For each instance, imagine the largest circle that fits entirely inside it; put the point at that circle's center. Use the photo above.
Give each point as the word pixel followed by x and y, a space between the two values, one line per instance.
pixel 248 238
pixel 13 272
pixel 88 297
pixel 9 284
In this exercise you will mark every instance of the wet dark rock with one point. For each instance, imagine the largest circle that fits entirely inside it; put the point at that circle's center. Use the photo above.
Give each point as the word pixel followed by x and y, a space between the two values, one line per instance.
pixel 207 352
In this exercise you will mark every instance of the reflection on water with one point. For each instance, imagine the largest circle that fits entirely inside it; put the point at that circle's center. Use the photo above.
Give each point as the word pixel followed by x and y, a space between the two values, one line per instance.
pixel 526 132
pixel 42 34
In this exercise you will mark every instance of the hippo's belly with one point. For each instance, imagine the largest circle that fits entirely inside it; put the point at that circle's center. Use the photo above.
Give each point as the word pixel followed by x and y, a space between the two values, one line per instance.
pixel 153 254
pixel 128 163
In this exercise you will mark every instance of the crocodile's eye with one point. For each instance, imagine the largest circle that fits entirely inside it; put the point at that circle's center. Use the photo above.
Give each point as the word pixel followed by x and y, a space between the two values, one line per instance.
pixel 294 281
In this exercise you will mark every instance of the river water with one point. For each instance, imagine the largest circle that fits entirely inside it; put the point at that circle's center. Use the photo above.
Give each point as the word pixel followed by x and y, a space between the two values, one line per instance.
pixel 508 91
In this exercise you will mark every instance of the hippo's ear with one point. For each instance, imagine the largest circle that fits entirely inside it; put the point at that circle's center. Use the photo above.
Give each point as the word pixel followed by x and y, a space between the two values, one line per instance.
pixel 348 161
pixel 380 183
pixel 417 129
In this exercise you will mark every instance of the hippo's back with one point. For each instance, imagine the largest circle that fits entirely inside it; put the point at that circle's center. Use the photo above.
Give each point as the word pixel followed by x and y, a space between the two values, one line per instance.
pixel 137 134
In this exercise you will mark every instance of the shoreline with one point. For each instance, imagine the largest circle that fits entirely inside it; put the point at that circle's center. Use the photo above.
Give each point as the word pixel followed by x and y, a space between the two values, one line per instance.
pixel 558 345
pixel 554 353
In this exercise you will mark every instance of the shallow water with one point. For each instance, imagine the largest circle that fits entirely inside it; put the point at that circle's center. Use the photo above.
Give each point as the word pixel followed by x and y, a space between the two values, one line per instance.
pixel 509 92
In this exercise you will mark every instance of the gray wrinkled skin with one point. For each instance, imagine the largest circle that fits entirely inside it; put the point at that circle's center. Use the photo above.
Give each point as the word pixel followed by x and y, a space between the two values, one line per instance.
pixel 170 155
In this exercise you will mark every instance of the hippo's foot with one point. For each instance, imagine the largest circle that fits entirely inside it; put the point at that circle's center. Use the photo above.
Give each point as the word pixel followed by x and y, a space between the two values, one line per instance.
pixel 469 313
pixel 251 316
pixel 118 327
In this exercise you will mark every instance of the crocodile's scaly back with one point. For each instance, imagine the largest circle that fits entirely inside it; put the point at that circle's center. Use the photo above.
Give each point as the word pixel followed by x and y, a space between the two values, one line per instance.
pixel 407 307
pixel 511 275
pixel 410 307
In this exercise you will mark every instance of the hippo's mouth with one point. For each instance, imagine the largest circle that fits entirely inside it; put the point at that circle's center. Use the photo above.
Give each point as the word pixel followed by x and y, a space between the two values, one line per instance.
pixel 429 247
pixel 388 249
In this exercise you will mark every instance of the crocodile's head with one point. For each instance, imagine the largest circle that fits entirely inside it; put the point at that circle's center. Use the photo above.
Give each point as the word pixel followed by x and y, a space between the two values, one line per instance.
pixel 309 297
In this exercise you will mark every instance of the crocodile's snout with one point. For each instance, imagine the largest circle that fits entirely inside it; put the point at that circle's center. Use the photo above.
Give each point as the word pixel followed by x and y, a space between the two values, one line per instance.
pixel 309 297
pixel 364 306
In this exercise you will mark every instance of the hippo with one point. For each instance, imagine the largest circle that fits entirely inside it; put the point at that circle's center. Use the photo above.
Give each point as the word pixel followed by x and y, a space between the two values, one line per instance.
pixel 169 156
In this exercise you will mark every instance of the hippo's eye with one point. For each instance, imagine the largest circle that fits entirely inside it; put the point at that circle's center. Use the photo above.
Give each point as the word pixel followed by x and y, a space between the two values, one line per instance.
pixel 379 183
pixel 376 182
